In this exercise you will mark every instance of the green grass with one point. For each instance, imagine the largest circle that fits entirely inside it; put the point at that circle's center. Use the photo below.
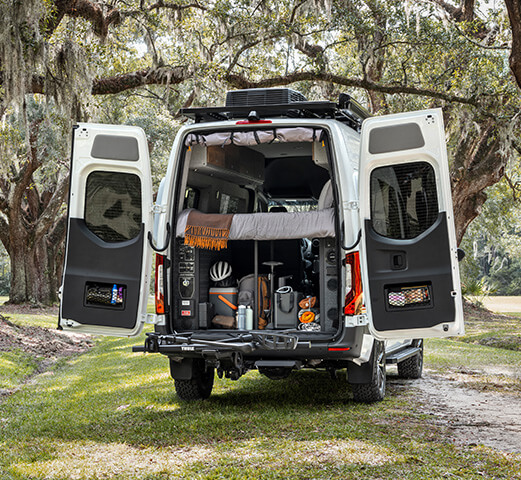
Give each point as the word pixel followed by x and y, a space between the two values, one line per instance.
pixel 15 367
pixel 114 414
pixel 3 299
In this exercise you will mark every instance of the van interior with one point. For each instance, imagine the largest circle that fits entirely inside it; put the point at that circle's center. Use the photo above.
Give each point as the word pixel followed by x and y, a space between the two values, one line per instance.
pixel 286 176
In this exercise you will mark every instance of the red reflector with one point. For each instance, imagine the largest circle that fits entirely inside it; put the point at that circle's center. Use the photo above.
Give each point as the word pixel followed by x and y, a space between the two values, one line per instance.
pixel 339 349
pixel 251 122
pixel 186 313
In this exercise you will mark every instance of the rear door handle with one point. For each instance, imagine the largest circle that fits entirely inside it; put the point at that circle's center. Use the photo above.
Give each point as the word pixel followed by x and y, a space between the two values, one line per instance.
pixel 398 261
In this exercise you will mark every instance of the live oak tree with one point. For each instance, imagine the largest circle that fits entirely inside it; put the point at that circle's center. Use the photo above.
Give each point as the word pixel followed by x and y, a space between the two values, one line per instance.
pixel 166 53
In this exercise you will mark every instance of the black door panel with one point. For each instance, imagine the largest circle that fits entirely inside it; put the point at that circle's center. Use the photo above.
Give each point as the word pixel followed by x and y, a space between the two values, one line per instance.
pixel 93 266
pixel 409 278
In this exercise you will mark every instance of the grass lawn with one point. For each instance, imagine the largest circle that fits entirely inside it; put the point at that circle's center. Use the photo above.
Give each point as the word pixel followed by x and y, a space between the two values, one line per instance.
pixel 110 413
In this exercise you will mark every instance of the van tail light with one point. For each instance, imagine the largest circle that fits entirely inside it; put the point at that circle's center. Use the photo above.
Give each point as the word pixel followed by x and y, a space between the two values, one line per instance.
pixel 158 285
pixel 353 297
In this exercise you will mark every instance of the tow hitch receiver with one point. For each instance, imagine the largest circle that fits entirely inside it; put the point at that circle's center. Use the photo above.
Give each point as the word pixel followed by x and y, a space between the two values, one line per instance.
pixel 244 343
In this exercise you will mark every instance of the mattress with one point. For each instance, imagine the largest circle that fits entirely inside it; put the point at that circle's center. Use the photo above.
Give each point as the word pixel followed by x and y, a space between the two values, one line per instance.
pixel 274 225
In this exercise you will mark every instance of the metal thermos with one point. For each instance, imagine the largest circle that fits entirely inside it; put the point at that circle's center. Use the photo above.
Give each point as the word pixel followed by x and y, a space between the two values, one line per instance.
pixel 241 317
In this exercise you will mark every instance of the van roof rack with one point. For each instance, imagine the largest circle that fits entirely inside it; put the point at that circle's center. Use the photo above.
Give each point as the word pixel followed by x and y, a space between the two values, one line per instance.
pixel 347 110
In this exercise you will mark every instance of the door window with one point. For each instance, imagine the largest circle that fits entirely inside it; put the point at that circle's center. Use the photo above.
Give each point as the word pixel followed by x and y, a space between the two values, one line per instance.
pixel 113 206
pixel 404 201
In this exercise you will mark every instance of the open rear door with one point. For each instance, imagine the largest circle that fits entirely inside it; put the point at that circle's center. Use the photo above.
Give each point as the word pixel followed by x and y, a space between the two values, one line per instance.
pixel 408 248
pixel 107 261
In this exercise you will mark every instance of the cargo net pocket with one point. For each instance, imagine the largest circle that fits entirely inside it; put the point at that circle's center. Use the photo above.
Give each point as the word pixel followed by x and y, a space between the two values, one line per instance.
pixel 105 295
pixel 408 297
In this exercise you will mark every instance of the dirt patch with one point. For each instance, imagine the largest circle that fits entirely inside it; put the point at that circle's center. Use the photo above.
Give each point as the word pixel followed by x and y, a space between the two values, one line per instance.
pixel 28 309
pixel 42 345
pixel 475 312
pixel 471 417
pixel 509 342
pixel 40 341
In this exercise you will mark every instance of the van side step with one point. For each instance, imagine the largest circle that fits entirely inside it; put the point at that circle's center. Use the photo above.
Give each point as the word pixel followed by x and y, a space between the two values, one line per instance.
pixel 402 355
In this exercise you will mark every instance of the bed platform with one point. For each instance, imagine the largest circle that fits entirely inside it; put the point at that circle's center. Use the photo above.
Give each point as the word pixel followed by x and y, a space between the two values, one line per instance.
pixel 274 225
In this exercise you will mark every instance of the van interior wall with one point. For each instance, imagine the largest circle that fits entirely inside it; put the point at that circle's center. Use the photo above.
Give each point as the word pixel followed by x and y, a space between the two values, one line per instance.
pixel 216 189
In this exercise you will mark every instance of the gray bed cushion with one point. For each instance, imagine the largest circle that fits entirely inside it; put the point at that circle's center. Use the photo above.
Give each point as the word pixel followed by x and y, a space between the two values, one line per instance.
pixel 274 226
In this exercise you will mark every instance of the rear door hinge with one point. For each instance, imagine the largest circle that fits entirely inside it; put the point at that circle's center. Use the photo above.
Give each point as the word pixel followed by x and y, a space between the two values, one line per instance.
pixel 353 205
pixel 356 320
pixel 158 208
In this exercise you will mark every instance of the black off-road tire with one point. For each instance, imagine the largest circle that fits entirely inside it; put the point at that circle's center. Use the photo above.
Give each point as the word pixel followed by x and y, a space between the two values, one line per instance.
pixel 374 390
pixel 199 387
pixel 412 367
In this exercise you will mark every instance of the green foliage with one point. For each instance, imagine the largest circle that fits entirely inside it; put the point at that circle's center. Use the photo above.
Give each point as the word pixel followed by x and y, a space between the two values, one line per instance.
pixel 493 246
pixel 408 52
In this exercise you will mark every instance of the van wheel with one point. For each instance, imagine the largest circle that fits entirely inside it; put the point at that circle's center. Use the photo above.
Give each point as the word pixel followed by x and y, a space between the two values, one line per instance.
pixel 199 387
pixel 374 390
pixel 412 367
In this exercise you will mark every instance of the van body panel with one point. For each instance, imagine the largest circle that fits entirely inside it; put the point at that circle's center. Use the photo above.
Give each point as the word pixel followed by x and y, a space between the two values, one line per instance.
pixel 408 249
pixel 107 261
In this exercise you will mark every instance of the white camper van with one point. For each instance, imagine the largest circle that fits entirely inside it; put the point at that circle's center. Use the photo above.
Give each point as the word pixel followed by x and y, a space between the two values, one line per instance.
pixel 288 234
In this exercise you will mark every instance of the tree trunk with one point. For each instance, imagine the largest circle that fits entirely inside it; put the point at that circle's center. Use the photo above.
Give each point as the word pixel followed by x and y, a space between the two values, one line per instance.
pixel 477 164
pixel 35 271
pixel 514 15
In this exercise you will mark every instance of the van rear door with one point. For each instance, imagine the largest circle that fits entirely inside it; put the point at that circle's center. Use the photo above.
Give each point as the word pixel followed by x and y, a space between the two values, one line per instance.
pixel 107 260
pixel 408 249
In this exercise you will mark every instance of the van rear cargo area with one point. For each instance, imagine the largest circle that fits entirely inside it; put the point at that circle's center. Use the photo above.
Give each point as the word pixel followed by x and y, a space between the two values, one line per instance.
pixel 272 189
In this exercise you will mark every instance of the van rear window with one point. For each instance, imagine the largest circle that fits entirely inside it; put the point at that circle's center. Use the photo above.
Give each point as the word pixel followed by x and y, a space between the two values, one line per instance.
pixel 404 201
pixel 113 206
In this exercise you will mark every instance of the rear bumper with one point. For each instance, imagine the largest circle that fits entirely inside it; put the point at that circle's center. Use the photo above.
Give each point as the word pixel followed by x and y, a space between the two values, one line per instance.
pixel 256 345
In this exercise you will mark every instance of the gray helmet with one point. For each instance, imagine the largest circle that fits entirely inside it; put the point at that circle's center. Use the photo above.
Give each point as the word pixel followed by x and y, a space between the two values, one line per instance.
pixel 220 271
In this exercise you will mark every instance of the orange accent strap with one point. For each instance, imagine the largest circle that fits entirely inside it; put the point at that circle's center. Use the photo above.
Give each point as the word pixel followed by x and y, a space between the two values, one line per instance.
pixel 225 300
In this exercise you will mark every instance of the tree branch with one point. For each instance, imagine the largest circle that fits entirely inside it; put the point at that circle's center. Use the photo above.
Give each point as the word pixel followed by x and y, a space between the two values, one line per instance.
pixel 176 75
pixel 239 81
pixel 465 13
pixel 93 12
pixel 175 6
pixel 514 186
pixel 127 81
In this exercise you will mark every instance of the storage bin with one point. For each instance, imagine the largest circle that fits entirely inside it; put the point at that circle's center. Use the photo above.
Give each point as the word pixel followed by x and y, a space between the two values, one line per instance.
pixel 224 300
pixel 286 309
